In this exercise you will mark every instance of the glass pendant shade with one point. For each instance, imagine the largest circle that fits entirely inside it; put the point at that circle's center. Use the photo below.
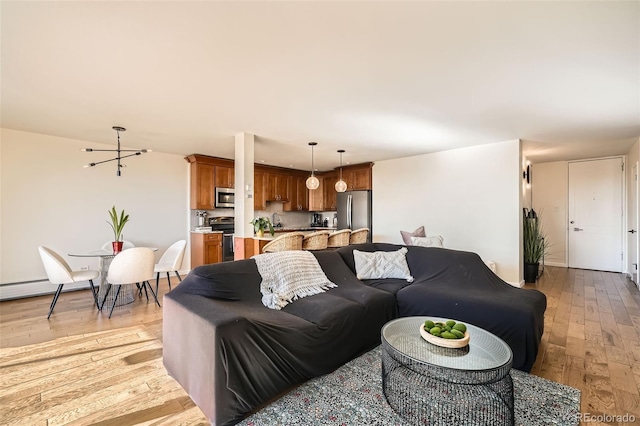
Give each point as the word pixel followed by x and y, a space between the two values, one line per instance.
pixel 312 182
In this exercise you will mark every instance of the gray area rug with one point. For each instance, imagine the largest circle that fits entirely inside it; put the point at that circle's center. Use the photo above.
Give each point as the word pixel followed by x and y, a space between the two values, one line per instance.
pixel 352 395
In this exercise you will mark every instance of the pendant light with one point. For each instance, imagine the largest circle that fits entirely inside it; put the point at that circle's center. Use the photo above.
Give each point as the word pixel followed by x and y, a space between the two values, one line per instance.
pixel 118 152
pixel 341 185
pixel 312 181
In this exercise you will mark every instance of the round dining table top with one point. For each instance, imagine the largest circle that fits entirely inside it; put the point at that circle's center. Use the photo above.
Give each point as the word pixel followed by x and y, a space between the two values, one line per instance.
pixel 101 253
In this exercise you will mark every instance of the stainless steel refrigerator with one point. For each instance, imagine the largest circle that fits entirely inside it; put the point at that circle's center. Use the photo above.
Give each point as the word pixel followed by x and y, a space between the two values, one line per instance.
pixel 354 210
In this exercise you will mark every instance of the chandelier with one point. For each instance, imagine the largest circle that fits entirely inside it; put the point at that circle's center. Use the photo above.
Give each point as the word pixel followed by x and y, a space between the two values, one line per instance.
pixel 119 152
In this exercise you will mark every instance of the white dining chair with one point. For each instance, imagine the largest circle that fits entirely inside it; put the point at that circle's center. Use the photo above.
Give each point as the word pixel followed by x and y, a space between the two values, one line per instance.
pixel 125 245
pixel 171 261
pixel 131 266
pixel 59 272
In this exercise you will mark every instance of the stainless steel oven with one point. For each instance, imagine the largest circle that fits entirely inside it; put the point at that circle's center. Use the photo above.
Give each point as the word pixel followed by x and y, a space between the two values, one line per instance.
pixel 225 197
pixel 226 224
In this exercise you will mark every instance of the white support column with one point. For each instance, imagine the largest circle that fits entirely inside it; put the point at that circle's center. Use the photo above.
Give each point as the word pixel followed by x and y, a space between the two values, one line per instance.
pixel 244 159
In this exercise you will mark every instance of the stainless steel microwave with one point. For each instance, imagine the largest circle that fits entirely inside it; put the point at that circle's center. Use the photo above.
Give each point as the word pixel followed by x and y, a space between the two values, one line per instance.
pixel 225 197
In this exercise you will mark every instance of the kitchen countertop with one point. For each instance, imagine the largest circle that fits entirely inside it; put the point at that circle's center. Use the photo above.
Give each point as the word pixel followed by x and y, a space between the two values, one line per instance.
pixel 304 228
pixel 268 237
pixel 206 232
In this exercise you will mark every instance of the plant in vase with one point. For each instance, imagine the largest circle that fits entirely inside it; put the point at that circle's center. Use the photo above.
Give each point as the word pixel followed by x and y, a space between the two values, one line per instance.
pixel 117 224
pixel 536 245
pixel 260 224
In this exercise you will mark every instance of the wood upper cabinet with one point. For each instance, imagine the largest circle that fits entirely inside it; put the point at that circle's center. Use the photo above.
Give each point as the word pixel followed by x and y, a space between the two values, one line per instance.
pixel 225 177
pixel 298 194
pixel 206 173
pixel 273 184
pixel 358 177
pixel 329 192
pixel 202 186
pixel 259 184
pixel 316 197
pixel 205 249
pixel 277 187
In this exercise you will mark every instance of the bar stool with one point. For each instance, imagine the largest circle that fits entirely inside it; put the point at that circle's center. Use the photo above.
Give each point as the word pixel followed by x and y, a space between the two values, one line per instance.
pixel 359 236
pixel 339 238
pixel 290 241
pixel 316 240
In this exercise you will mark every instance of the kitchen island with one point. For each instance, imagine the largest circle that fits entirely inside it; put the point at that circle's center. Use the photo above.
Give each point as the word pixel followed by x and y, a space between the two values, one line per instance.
pixel 260 242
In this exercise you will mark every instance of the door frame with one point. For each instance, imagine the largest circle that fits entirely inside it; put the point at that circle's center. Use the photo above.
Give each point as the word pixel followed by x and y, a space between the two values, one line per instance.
pixel 624 207
pixel 635 187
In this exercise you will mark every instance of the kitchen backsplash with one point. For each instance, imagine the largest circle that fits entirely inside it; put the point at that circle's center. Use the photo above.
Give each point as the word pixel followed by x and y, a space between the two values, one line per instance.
pixel 288 219
pixel 291 219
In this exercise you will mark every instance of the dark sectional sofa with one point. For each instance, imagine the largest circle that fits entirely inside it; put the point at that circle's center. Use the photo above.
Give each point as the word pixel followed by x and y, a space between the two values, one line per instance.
pixel 233 355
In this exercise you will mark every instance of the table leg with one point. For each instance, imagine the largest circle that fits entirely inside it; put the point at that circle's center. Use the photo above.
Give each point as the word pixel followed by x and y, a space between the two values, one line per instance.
pixel 126 293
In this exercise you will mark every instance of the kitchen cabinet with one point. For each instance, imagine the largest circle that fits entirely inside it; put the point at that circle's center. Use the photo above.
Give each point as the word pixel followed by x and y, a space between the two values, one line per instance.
pixel 202 186
pixel 204 179
pixel 277 187
pixel 298 194
pixel 316 197
pixel 330 198
pixel 205 248
pixel 358 177
pixel 259 183
pixel 273 184
pixel 225 177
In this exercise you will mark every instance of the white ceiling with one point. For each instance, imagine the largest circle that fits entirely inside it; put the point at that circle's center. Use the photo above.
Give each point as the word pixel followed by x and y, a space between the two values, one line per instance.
pixel 379 79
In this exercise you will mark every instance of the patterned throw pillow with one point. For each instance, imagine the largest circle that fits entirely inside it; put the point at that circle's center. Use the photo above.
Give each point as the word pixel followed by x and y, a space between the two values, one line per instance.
pixel 406 235
pixel 382 264
pixel 428 241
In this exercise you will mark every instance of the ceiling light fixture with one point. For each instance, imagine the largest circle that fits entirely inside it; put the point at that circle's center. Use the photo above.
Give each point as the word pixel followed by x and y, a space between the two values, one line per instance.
pixel 341 185
pixel 312 181
pixel 119 157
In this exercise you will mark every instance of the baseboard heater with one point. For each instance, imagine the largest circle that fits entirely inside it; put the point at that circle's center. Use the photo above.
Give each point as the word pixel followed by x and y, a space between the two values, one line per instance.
pixel 22 289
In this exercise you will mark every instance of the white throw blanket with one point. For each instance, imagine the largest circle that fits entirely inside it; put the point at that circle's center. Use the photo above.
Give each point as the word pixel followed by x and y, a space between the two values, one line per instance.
pixel 289 275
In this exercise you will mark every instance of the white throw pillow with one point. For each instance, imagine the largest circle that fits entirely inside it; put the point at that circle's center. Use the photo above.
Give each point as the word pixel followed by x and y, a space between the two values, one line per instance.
pixel 435 241
pixel 382 264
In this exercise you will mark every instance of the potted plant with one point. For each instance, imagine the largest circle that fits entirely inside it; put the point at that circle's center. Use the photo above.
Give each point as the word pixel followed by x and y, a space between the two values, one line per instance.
pixel 117 224
pixel 260 224
pixel 535 243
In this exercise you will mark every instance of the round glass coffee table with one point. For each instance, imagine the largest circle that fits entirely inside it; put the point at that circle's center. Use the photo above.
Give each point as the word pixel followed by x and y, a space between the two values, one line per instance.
pixel 429 384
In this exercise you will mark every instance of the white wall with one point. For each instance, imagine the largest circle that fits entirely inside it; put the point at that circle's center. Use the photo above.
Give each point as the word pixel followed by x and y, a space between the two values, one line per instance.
pixel 48 198
pixel 550 186
pixel 470 196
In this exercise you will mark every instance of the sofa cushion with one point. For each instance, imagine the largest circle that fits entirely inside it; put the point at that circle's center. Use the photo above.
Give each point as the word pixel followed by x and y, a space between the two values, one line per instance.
pixel 228 280
pixel 391 285
pixel 406 236
pixel 381 264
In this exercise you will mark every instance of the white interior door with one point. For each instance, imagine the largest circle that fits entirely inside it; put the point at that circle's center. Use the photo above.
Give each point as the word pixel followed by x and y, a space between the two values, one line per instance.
pixel 595 214
pixel 633 225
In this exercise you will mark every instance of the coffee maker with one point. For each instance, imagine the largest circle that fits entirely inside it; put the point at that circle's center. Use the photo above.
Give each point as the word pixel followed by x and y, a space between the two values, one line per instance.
pixel 316 220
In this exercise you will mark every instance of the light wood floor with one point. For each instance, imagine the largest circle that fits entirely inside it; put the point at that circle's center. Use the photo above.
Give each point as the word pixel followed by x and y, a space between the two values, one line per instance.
pixel 591 339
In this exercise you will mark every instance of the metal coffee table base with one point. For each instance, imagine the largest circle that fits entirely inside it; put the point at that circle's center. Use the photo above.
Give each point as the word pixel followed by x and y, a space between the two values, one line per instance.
pixel 427 394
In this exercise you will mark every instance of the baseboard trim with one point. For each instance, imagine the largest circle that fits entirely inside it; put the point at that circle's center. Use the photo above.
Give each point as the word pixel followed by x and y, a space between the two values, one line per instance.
pixel 558 264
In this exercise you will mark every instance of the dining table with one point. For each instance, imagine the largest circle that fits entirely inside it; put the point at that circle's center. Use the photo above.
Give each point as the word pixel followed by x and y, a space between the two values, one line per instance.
pixel 127 293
